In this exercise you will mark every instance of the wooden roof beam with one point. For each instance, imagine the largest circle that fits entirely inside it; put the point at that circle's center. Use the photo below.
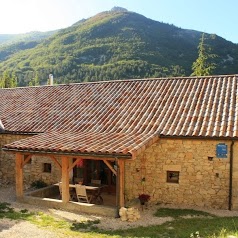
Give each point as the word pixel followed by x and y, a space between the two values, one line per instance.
pixel 110 167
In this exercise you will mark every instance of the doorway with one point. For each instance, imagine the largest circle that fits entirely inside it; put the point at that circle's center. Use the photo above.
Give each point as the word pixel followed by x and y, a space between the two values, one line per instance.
pixel 86 170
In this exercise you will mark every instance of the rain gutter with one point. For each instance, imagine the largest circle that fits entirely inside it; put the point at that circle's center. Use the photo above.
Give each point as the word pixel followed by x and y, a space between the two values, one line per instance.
pixel 198 137
pixel 98 155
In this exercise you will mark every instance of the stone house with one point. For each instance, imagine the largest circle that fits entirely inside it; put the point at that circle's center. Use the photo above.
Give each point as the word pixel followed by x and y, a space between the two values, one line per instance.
pixel 172 138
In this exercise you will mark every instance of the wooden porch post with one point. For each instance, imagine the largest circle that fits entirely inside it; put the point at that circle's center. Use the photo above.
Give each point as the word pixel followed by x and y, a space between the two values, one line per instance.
pixel 19 175
pixel 71 175
pixel 121 175
pixel 65 179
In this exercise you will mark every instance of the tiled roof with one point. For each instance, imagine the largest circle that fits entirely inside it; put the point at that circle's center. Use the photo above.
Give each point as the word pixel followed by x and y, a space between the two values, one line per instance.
pixel 189 106
pixel 117 144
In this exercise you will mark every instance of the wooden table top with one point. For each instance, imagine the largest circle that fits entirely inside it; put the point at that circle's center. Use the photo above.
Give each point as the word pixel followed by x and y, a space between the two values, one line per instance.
pixel 89 187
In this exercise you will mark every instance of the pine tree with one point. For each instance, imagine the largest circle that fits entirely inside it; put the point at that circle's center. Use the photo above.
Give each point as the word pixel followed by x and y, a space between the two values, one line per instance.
pixel 13 80
pixel 35 81
pixel 203 64
pixel 2 83
pixel 8 80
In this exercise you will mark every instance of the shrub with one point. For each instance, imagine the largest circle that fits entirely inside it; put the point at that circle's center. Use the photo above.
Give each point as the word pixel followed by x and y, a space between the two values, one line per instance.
pixel 38 184
pixel 144 197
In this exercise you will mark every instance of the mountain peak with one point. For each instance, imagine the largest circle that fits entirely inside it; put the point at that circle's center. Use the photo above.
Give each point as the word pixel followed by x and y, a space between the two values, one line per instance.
pixel 118 9
pixel 115 44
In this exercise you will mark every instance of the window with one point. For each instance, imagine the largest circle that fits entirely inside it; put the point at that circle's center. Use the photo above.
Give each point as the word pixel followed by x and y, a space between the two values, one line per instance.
pixel 172 176
pixel 47 167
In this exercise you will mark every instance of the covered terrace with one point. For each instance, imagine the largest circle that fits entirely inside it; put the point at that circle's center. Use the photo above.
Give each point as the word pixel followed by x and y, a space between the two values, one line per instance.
pixel 66 149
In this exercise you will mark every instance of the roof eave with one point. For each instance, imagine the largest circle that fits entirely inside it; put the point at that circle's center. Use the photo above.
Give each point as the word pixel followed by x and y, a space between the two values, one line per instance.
pixel 199 137
pixel 92 154
pixel 19 132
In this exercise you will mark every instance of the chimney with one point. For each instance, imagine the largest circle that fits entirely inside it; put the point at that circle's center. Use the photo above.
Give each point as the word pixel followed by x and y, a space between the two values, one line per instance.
pixel 1 126
pixel 51 79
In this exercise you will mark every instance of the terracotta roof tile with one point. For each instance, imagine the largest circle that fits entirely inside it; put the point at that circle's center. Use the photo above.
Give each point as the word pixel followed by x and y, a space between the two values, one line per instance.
pixel 125 113
pixel 72 142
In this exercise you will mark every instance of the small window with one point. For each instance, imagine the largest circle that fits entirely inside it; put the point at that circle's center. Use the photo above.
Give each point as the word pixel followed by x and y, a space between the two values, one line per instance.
pixel 47 167
pixel 172 177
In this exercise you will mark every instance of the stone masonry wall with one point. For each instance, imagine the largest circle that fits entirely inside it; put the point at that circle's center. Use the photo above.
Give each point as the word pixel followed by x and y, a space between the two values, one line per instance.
pixel 33 170
pixel 7 160
pixel 202 182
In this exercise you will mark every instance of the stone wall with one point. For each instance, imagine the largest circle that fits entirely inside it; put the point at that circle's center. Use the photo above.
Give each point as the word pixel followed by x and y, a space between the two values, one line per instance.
pixel 7 160
pixel 33 170
pixel 203 178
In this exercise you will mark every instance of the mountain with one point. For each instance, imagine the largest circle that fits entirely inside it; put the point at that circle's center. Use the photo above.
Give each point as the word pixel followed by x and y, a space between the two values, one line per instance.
pixel 115 44
pixel 30 36
pixel 13 43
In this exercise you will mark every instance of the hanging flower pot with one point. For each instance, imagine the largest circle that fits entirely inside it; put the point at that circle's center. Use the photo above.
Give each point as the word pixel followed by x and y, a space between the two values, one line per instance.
pixel 80 163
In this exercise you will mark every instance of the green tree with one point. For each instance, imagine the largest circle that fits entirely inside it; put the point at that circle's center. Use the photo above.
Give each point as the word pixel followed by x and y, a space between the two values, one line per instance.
pixel 203 64
pixel 8 80
pixel 35 81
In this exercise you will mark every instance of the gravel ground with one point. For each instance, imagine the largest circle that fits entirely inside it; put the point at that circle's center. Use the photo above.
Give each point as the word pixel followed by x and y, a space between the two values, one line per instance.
pixel 20 229
pixel 24 229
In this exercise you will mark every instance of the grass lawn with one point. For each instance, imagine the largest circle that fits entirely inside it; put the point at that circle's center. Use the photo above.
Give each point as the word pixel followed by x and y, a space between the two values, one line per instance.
pixel 185 224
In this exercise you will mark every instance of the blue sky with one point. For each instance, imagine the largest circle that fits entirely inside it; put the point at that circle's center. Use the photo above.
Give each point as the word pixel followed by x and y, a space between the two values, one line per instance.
pixel 211 16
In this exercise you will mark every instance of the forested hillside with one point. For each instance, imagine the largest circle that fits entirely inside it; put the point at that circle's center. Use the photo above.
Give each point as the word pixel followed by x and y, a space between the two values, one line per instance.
pixel 30 36
pixel 12 43
pixel 114 45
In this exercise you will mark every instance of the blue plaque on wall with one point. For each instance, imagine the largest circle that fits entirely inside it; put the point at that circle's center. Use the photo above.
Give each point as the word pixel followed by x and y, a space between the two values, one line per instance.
pixel 221 150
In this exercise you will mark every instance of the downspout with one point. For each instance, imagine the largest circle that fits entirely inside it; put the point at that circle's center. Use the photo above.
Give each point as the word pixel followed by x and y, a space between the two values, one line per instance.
pixel 117 190
pixel 231 176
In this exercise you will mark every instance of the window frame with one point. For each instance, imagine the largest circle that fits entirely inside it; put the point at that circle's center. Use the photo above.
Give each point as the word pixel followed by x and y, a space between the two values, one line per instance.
pixel 47 168
pixel 170 179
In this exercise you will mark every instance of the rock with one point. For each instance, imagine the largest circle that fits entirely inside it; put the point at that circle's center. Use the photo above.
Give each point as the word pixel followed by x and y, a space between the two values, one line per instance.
pixel 129 214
